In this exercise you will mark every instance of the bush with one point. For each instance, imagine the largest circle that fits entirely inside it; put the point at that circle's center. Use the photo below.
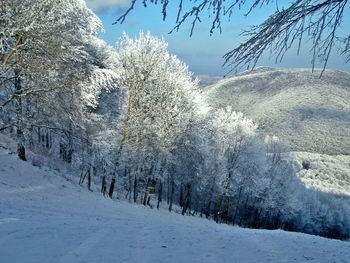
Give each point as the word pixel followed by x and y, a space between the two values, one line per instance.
pixel 306 164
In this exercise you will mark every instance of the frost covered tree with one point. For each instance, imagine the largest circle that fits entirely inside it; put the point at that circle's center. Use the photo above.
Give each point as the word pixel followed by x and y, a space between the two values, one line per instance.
pixel 299 21
pixel 242 161
pixel 49 58
pixel 84 115
pixel 189 158
pixel 161 95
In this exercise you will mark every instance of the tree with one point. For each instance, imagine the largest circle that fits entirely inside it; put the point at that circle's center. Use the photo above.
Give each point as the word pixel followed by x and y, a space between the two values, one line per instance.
pixel 242 159
pixel 161 98
pixel 49 56
pixel 317 21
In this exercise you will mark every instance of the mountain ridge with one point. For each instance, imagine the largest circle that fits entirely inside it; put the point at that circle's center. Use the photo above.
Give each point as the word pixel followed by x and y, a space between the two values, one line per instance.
pixel 308 112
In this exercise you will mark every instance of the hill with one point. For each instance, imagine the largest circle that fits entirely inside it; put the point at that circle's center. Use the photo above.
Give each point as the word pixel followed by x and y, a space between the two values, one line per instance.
pixel 327 173
pixel 45 217
pixel 310 113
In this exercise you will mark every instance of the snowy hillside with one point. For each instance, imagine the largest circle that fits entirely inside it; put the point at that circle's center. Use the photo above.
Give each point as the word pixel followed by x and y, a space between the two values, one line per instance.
pixel 310 113
pixel 205 80
pixel 326 173
pixel 45 217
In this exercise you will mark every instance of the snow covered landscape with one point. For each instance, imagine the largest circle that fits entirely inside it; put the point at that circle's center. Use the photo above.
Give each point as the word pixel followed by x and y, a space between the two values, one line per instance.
pixel 296 105
pixel 45 217
pixel 114 149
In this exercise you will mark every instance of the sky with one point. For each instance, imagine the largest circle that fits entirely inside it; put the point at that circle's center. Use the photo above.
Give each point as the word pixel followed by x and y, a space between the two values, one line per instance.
pixel 202 52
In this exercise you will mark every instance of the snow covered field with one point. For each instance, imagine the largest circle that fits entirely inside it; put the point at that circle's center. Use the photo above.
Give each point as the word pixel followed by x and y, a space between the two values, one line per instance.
pixel 47 218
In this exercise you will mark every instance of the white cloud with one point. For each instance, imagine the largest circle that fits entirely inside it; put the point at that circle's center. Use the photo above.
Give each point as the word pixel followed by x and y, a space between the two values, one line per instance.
pixel 98 5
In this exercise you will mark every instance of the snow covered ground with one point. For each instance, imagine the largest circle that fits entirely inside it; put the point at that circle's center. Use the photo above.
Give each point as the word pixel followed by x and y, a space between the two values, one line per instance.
pixel 327 173
pixel 45 217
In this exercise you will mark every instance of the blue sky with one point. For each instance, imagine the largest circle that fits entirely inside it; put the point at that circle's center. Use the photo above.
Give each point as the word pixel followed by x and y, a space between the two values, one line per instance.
pixel 202 52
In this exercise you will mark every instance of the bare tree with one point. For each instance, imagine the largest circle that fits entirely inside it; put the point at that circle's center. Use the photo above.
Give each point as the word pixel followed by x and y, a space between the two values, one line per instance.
pixel 314 20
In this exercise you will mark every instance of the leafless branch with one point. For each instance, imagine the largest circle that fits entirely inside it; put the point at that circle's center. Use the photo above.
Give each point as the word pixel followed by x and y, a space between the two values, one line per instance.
pixel 315 20
pixel 279 32
pixel 26 92
pixel 7 126
pixel 122 18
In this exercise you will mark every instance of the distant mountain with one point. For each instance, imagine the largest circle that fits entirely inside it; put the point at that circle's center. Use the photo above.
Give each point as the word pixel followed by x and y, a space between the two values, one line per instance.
pixel 205 80
pixel 310 112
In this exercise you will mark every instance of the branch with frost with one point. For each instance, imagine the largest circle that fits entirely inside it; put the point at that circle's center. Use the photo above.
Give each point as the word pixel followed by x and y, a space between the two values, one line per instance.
pixel 26 92
pixel 7 126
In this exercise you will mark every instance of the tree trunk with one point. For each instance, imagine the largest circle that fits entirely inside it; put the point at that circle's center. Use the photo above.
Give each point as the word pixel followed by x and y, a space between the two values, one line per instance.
pixel 181 201
pixel 21 152
pixel 226 209
pixel 217 208
pixel 111 188
pixel 187 199
pixel 237 206
pixel 171 196
pixel 128 175
pixel 207 205
pixel 146 194
pixel 83 176
pixel 135 189
pixel 256 217
pixel 47 144
pixel 31 143
pixel 168 191
pixel 149 201
pixel 19 116
pixel 207 209
pixel 245 214
pixel 103 187
pixel 89 181
pixel 39 135
pixel 160 194
pixel 145 198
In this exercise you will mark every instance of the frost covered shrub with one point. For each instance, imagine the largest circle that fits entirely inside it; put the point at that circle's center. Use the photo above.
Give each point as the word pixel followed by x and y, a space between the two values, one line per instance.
pixel 306 164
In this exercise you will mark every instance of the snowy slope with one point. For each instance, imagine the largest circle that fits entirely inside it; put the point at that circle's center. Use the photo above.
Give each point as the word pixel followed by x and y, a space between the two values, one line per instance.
pixel 310 113
pixel 47 218
pixel 326 173
pixel 205 80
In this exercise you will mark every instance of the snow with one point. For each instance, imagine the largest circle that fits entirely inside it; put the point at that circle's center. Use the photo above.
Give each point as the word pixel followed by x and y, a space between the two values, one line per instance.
pixel 45 217
pixel 309 113
pixel 206 80
pixel 327 173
